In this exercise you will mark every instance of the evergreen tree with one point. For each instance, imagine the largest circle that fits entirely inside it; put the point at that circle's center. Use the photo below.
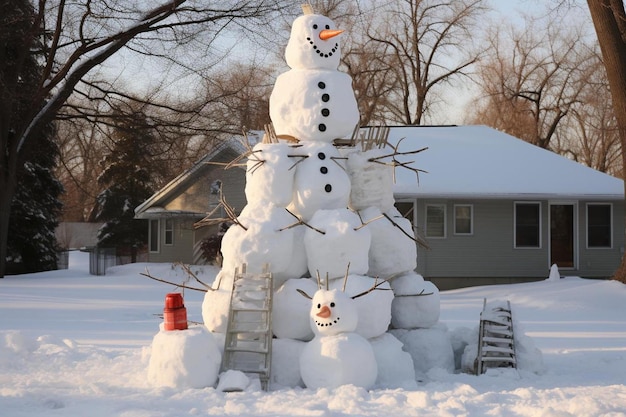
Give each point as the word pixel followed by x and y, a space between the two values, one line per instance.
pixel 34 205
pixel 32 245
pixel 127 179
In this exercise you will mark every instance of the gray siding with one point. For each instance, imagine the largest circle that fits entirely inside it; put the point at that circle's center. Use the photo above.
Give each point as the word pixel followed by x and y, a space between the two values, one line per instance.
pixel 197 197
pixel 601 262
pixel 182 248
pixel 490 253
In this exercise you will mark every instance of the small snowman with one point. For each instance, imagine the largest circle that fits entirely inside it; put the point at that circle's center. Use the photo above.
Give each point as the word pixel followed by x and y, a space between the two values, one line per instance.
pixel 337 355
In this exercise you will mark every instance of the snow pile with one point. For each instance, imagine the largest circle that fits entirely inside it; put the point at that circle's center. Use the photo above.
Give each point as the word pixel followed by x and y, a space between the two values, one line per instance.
pixel 72 345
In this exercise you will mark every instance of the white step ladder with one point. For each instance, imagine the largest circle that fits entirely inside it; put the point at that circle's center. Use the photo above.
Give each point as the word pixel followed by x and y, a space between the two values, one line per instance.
pixel 496 342
pixel 248 344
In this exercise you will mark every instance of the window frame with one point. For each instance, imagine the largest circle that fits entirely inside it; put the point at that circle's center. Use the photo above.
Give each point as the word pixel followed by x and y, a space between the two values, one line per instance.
pixel 151 235
pixel 610 225
pixel 539 226
pixel 471 220
pixel 443 206
pixel 170 241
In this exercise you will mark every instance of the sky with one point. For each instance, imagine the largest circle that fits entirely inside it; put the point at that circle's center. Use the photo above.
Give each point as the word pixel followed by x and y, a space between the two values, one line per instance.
pixel 140 72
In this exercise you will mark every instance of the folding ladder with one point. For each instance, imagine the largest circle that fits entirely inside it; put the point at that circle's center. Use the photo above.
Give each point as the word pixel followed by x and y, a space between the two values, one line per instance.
pixel 496 342
pixel 248 343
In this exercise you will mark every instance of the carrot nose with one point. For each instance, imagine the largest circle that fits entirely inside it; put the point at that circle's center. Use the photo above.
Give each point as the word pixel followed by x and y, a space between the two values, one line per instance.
pixel 324 312
pixel 329 33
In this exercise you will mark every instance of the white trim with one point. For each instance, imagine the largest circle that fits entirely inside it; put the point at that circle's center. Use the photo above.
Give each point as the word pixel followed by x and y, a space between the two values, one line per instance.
pixel 165 230
pixel 587 225
pixel 445 217
pixel 515 204
pixel 471 219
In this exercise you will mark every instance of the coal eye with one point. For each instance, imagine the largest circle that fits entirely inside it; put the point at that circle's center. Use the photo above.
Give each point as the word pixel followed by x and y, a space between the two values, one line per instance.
pixel 332 304
pixel 319 306
pixel 314 26
pixel 327 26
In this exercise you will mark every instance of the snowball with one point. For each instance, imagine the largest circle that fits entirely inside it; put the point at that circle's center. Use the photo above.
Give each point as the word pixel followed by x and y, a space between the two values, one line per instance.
pixel 184 359
pixel 341 244
pixel 374 308
pixel 290 311
pixel 371 182
pixel 395 366
pixel 461 337
pixel 286 363
pixel 332 312
pixel 392 251
pixel 331 361
pixel 429 348
pixel 215 308
pixel 297 103
pixel 320 181
pixel 269 177
pixel 468 359
pixel 305 32
pixel 232 381
pixel 267 240
pixel 416 311
pixel 410 283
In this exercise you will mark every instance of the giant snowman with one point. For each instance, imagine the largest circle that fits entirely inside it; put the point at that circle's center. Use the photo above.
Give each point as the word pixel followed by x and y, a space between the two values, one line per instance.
pixel 323 216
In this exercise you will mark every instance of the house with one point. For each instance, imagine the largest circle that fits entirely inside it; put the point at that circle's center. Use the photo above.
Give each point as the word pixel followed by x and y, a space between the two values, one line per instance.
pixel 172 211
pixel 492 208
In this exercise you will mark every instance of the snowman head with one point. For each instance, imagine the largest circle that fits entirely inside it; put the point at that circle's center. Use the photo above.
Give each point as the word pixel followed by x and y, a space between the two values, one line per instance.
pixel 313 43
pixel 333 312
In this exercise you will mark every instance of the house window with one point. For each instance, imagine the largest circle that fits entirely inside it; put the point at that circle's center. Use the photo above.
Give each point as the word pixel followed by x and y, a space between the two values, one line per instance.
pixel 463 219
pixel 153 237
pixel 435 220
pixel 169 231
pixel 527 225
pixel 599 228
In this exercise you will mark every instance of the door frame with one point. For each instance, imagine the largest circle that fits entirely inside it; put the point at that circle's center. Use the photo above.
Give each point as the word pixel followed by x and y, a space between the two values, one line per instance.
pixel 575 231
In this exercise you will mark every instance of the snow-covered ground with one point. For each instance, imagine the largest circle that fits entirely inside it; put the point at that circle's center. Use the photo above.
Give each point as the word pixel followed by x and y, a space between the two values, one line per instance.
pixel 72 344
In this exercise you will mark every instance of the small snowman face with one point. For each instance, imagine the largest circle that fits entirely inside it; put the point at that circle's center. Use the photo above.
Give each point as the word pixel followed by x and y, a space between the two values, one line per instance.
pixel 333 312
pixel 313 43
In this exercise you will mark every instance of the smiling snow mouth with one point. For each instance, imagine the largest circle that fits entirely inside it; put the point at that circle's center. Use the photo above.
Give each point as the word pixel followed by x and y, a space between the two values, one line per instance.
pixel 327 324
pixel 321 53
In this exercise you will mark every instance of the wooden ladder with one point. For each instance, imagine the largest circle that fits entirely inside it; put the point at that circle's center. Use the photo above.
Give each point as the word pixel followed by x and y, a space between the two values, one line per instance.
pixel 496 342
pixel 248 343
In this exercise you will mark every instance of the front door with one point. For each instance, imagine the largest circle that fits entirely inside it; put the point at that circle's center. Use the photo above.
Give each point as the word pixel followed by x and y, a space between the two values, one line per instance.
pixel 562 235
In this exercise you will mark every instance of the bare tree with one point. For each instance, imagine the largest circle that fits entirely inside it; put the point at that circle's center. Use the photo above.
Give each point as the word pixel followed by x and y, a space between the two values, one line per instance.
pixel 589 134
pixel 609 19
pixel 238 97
pixel 417 47
pixel 79 36
pixel 534 77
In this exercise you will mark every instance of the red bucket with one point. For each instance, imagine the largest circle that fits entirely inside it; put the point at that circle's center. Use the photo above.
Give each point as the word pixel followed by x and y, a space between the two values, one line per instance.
pixel 174 313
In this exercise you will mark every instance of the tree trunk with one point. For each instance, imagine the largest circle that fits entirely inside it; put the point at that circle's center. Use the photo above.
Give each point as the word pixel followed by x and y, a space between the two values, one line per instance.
pixel 607 15
pixel 7 191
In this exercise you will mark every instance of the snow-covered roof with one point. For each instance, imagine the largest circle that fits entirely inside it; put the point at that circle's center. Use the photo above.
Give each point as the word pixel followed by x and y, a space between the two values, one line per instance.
pixel 481 162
